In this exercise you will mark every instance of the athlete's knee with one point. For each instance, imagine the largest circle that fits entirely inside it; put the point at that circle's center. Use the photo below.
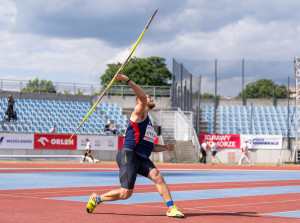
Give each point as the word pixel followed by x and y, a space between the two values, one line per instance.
pixel 125 194
pixel 157 177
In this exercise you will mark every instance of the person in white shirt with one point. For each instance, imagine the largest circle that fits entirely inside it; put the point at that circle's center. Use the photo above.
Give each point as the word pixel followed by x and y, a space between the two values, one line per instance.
pixel 88 150
pixel 214 147
pixel 53 130
pixel 245 150
pixel 203 152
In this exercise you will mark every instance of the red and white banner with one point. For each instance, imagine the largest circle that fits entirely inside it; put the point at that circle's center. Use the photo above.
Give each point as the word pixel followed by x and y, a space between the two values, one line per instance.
pixel 45 141
pixel 223 141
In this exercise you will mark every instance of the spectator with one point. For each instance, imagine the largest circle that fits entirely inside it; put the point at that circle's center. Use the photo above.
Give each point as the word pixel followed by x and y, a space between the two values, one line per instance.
pixel 214 151
pixel 245 150
pixel 10 109
pixel 53 130
pixel 203 152
pixel 87 150
pixel 110 128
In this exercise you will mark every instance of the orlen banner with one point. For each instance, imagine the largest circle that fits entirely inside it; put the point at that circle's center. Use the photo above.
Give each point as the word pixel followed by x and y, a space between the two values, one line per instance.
pixel 223 141
pixel 44 141
pixel 16 141
pixel 263 141
pixel 98 142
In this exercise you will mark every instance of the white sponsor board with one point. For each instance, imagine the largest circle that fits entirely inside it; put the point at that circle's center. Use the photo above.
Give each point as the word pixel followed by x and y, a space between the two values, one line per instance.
pixel 263 141
pixel 98 142
pixel 16 141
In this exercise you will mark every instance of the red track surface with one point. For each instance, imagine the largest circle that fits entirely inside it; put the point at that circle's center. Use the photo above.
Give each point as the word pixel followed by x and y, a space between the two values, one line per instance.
pixel 31 205
pixel 43 167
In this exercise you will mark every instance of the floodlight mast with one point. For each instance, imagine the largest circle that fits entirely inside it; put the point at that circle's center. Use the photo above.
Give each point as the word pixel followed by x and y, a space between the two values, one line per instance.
pixel 296 155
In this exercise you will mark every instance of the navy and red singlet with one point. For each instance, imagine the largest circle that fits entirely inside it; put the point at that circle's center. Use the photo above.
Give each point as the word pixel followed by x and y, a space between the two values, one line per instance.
pixel 140 137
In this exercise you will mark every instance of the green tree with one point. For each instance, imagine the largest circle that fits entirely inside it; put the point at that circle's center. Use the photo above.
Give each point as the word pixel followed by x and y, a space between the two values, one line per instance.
pixel 205 95
pixel 39 86
pixel 208 95
pixel 263 88
pixel 151 71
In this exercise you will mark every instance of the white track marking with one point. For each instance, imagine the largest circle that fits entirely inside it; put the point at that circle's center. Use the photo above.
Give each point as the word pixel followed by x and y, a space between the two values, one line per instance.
pixel 161 169
pixel 219 206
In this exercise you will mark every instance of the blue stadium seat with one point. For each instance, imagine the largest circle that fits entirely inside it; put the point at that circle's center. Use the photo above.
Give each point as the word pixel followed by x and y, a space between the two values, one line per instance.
pixel 31 118
pixel 5 128
pixel 26 129
pixel 292 134
pixel 68 131
pixel 36 124
pixel 38 119
pixel 43 124
pixel 91 131
pixel 13 128
pixel 99 131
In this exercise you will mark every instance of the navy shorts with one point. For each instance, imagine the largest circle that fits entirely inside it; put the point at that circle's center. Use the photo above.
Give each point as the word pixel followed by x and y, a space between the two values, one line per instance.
pixel 131 164
pixel 213 153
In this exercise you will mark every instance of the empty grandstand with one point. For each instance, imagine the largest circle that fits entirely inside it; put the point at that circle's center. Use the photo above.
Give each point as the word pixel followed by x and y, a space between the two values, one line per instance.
pixel 38 116
pixel 256 120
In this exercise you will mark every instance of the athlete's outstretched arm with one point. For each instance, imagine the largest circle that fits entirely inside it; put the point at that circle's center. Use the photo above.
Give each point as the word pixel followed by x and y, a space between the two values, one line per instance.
pixel 162 148
pixel 139 92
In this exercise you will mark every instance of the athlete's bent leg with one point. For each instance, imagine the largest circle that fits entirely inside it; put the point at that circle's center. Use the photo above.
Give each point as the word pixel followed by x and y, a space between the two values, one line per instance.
pixel 164 191
pixel 160 183
pixel 119 194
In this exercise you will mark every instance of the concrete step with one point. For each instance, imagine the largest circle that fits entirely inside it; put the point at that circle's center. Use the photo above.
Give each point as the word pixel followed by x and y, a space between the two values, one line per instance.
pixel 183 153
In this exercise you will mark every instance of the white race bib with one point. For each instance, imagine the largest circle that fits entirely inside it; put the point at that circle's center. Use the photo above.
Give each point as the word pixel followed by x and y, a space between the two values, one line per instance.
pixel 150 134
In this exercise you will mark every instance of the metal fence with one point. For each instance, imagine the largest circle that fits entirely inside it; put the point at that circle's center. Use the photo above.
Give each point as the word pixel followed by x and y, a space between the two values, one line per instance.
pixel 82 89
pixel 193 80
pixel 176 124
pixel 226 78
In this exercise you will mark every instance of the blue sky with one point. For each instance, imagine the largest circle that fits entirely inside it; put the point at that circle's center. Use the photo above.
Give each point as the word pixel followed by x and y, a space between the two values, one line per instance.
pixel 73 40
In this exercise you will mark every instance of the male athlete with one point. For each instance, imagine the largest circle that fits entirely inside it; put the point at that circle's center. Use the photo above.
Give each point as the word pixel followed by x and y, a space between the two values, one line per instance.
pixel 245 151
pixel 133 158
pixel 88 150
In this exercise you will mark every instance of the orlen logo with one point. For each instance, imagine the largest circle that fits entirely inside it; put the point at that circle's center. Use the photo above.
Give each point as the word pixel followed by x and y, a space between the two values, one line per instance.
pixel 61 141
pixel 42 140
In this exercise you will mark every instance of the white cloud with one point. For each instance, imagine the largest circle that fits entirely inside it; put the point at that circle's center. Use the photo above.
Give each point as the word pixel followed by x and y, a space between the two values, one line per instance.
pixel 7 12
pixel 49 55
pixel 246 38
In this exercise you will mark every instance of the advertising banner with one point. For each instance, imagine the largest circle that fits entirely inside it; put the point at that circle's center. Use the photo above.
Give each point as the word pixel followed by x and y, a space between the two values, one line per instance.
pixel 98 142
pixel 263 141
pixel 47 141
pixel 16 141
pixel 223 141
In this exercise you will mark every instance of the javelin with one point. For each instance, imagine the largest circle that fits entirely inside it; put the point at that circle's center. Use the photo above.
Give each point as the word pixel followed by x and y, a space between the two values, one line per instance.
pixel 113 80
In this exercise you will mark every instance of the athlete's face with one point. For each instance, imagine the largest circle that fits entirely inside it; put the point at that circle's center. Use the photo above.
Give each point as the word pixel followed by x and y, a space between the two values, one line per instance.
pixel 150 102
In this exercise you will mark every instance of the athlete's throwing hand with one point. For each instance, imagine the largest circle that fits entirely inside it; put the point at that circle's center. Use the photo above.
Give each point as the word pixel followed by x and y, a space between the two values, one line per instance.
pixel 170 146
pixel 121 77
